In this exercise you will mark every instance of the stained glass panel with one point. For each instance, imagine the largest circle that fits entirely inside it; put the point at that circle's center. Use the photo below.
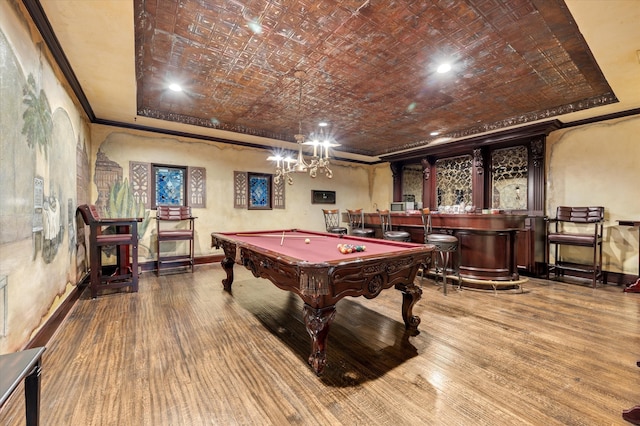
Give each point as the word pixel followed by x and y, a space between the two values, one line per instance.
pixel 170 186
pixel 259 191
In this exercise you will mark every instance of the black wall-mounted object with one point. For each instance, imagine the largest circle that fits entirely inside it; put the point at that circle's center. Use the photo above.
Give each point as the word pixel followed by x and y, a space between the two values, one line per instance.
pixel 323 197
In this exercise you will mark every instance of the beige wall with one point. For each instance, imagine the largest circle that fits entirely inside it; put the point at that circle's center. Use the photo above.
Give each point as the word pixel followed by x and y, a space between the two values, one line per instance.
pixel 599 165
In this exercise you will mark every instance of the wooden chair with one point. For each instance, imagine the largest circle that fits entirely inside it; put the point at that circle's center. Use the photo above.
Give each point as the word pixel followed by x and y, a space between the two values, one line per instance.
pixel 578 227
pixel 332 221
pixel 445 246
pixel 174 223
pixel 105 233
pixel 387 228
pixel 356 224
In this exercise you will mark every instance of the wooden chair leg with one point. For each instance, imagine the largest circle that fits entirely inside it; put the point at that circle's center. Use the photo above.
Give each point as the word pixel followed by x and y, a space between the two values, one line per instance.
pixel 95 270
pixel 134 267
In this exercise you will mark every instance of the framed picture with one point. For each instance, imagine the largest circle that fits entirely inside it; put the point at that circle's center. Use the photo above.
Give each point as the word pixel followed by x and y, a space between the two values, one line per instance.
pixel 260 196
pixel 323 197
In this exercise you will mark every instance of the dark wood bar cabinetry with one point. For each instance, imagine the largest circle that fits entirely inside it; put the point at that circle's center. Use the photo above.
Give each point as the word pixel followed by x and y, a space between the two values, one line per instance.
pixel 503 171
pixel 488 242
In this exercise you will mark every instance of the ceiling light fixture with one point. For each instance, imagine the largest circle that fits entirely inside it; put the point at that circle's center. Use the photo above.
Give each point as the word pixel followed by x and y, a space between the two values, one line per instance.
pixel 321 142
pixel 443 68
pixel 175 87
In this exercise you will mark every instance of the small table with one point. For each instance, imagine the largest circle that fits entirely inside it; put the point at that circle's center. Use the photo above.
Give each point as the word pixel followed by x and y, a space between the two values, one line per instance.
pixel 309 264
pixel 634 287
pixel 14 368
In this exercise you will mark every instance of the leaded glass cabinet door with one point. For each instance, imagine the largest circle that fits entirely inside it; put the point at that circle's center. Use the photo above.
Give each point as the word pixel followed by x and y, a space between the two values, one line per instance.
pixel 412 182
pixel 509 177
pixel 454 184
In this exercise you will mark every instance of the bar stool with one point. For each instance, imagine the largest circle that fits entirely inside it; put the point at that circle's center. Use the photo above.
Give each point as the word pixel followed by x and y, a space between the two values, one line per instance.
pixel 387 229
pixel 332 221
pixel 356 223
pixel 445 245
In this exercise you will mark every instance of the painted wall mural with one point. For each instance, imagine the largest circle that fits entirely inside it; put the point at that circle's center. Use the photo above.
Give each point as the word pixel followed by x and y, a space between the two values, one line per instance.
pixel 43 145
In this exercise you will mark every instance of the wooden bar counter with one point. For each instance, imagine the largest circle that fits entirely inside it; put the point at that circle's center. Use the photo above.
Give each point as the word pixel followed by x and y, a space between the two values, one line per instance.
pixel 488 242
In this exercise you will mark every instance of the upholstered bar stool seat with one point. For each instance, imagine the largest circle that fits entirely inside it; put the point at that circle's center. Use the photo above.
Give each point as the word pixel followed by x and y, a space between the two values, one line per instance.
pixel 365 232
pixel 397 236
pixel 338 230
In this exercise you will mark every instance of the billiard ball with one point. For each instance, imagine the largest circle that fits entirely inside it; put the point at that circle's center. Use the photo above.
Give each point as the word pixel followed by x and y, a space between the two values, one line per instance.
pixel 307 240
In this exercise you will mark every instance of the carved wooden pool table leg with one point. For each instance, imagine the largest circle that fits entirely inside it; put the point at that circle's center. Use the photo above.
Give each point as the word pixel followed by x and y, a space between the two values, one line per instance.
pixel 410 295
pixel 317 322
pixel 227 264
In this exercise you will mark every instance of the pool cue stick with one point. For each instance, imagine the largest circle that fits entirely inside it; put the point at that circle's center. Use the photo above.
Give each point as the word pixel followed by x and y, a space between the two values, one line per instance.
pixel 282 240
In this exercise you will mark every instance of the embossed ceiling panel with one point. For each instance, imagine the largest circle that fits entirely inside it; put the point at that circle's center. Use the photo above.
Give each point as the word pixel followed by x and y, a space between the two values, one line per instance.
pixel 370 67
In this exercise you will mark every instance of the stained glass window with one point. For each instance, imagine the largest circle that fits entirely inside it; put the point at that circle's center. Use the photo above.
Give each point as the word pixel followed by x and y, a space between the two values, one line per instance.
pixel 169 185
pixel 259 191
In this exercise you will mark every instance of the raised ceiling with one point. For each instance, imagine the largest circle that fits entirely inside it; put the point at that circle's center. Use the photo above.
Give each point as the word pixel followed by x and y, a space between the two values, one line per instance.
pixel 370 67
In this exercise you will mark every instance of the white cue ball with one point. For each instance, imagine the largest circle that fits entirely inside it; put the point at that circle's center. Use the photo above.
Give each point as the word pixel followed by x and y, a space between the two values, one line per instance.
pixel 307 241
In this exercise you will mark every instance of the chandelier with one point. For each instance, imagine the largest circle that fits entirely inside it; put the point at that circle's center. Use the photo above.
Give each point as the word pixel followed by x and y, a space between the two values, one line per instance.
pixel 321 142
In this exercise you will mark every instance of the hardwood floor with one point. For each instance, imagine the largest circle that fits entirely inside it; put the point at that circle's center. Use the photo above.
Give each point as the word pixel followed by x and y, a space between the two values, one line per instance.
pixel 184 352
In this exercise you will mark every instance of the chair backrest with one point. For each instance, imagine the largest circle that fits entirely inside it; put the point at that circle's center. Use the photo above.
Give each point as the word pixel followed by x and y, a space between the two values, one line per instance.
pixel 426 222
pixel 173 212
pixel 580 214
pixel 579 220
pixel 356 218
pixel 89 213
pixel 331 218
pixel 385 220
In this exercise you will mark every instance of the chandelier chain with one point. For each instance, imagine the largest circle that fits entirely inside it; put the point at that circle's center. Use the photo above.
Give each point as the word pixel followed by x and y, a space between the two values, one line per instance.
pixel 319 162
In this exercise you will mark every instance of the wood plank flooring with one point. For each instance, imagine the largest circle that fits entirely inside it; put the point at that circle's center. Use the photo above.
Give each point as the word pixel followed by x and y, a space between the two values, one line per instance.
pixel 182 351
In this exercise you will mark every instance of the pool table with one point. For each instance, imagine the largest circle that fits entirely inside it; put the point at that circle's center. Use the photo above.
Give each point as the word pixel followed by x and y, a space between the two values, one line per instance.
pixel 311 265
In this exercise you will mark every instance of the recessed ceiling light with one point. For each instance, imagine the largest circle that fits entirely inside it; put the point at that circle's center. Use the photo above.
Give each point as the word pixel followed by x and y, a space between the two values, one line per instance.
pixel 434 133
pixel 175 87
pixel 255 27
pixel 444 68
pixel 323 124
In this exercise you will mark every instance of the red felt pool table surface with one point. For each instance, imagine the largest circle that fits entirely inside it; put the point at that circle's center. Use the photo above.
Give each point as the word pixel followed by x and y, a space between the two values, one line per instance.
pixel 322 247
